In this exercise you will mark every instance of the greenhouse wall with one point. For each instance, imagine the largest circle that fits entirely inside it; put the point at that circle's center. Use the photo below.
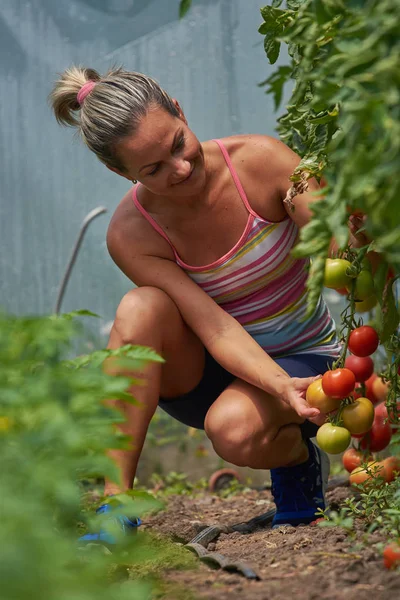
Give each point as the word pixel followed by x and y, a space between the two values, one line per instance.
pixel 211 61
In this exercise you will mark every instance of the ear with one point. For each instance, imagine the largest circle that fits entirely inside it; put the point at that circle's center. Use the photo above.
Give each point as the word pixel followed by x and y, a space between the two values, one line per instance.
pixel 181 113
pixel 118 172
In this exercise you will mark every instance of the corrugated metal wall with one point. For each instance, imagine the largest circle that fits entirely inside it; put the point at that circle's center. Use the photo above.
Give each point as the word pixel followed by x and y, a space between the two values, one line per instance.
pixel 211 61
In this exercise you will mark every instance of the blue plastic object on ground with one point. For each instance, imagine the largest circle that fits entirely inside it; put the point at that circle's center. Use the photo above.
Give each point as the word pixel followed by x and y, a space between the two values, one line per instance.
pixel 127 525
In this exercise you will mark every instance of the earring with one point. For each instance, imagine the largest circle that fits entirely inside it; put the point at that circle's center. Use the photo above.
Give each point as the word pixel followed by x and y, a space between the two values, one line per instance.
pixel 134 181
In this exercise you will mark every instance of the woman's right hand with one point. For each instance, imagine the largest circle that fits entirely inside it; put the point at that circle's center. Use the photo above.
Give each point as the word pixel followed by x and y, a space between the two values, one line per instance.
pixel 293 392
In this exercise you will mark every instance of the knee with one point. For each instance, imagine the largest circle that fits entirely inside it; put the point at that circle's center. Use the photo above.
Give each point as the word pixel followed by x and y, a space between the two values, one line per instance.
pixel 234 435
pixel 146 307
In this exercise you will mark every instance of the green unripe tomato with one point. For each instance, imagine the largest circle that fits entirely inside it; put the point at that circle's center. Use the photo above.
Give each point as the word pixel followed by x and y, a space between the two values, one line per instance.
pixel 335 273
pixel 364 287
pixel 367 304
pixel 332 438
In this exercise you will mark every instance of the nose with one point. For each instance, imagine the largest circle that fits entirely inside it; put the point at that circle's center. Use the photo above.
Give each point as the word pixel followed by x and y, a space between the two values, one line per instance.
pixel 181 170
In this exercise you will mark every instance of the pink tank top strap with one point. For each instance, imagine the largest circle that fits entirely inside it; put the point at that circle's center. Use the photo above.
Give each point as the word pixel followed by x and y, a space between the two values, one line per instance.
pixel 235 177
pixel 150 219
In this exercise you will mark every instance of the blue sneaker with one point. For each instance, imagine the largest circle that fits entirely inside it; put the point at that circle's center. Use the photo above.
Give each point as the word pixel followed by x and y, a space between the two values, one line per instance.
pixel 127 525
pixel 299 491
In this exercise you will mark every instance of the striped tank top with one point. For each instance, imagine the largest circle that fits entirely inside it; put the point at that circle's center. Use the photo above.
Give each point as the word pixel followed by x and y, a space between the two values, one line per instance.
pixel 262 285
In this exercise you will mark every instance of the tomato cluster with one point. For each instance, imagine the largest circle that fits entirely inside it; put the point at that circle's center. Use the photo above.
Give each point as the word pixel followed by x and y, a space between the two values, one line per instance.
pixel 362 416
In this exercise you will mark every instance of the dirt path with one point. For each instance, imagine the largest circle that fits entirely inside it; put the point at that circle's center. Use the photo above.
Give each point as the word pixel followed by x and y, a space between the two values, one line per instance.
pixel 302 563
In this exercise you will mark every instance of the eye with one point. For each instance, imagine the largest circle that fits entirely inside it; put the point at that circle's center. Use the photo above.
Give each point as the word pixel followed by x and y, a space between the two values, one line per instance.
pixel 180 143
pixel 154 171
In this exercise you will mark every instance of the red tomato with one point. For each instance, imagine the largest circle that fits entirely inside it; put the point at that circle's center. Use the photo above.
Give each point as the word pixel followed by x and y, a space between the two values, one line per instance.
pixel 369 392
pixel 362 366
pixel 317 398
pixel 379 435
pixel 382 412
pixel 391 555
pixel 353 458
pixel 363 341
pixel 338 383
pixel 392 468
pixel 358 416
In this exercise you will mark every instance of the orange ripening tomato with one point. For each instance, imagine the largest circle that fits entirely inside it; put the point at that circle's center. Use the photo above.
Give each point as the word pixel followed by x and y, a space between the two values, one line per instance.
pixel 338 383
pixel 380 389
pixel 317 398
pixel 360 475
pixel 358 416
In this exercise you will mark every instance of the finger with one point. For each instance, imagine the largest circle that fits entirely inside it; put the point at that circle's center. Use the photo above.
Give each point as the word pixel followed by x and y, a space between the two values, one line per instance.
pixel 303 382
pixel 303 409
pixel 319 420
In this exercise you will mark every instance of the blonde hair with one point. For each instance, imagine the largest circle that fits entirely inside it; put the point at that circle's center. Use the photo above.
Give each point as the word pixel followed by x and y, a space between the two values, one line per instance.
pixel 111 111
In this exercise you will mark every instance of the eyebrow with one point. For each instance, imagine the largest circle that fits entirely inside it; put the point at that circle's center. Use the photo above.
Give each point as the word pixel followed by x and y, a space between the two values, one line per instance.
pixel 177 134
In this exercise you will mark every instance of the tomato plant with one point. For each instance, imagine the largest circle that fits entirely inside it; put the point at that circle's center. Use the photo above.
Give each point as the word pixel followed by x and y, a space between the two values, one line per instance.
pixel 363 341
pixel 335 273
pixel 332 438
pixel 358 416
pixel 391 555
pixel 317 398
pixel 338 383
pixel 362 367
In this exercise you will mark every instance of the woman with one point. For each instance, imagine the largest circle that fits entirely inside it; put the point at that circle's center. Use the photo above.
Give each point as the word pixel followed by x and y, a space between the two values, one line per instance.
pixel 207 238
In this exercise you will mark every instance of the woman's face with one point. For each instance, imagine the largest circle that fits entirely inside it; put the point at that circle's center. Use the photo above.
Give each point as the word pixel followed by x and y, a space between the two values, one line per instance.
pixel 164 155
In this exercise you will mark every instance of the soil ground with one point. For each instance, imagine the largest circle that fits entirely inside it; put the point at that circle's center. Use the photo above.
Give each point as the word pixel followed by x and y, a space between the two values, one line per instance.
pixel 306 562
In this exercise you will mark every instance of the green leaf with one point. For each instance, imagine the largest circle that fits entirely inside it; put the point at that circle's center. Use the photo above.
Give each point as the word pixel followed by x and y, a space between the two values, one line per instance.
pixel 276 84
pixel 272 48
pixel 184 7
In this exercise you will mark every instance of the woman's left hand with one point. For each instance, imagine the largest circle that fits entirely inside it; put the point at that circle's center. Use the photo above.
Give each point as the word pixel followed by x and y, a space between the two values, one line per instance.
pixel 294 394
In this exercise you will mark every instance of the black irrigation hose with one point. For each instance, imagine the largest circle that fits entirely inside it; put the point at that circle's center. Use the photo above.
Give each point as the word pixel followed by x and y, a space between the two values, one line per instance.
pixel 85 224
pixel 199 543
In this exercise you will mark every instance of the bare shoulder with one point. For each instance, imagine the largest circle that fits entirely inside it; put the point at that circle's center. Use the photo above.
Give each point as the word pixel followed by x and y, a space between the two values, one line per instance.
pixel 254 151
pixel 129 233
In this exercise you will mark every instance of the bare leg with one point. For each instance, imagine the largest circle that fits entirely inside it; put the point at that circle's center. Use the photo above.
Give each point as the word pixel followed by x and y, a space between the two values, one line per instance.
pixel 147 316
pixel 248 427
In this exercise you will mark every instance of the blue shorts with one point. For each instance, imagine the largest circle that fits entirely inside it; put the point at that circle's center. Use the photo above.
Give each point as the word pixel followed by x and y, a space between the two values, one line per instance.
pixel 191 408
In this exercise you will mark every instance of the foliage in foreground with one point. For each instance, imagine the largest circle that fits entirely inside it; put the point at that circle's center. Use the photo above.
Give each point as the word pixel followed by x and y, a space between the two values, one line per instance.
pixel 343 116
pixel 54 431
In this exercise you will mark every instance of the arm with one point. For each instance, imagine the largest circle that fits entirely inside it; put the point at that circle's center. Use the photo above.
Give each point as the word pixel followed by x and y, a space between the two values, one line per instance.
pixel 220 333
